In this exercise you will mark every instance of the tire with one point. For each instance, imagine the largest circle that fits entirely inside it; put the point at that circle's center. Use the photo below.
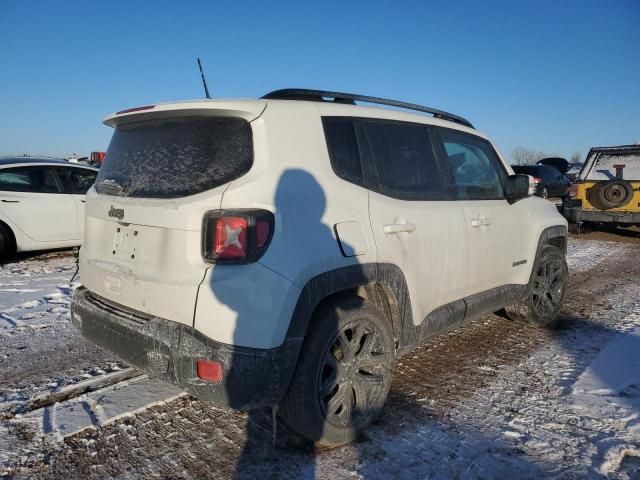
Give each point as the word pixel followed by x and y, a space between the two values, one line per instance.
pixel 7 243
pixel 614 193
pixel 583 228
pixel 545 291
pixel 340 384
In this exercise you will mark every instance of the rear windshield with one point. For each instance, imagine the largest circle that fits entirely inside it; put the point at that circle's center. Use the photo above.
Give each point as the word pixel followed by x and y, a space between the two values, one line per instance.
pixel 604 167
pixel 175 157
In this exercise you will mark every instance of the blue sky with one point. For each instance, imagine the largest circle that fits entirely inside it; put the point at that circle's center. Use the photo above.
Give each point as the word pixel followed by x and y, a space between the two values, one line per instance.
pixel 556 76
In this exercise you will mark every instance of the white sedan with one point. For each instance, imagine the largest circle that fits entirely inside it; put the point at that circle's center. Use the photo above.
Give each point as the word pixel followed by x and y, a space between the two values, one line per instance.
pixel 42 203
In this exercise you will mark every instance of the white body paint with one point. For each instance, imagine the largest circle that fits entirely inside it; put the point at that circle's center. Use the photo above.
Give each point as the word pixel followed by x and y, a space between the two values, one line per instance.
pixel 322 223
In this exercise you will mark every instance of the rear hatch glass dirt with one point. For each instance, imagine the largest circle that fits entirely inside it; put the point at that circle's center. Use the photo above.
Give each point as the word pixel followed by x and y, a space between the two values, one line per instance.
pixel 177 157
pixel 601 163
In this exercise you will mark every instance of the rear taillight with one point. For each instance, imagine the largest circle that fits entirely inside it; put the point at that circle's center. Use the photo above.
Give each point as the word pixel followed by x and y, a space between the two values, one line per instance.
pixel 573 190
pixel 537 180
pixel 236 236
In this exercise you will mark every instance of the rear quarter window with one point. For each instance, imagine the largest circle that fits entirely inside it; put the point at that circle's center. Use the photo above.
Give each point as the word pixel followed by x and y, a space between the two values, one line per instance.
pixel 343 149
pixel 177 157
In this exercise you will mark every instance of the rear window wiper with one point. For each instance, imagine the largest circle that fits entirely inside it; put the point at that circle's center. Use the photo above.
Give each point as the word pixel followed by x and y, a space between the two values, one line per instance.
pixel 112 186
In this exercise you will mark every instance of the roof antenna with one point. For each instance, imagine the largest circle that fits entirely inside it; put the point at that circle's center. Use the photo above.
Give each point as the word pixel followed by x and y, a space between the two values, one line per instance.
pixel 204 82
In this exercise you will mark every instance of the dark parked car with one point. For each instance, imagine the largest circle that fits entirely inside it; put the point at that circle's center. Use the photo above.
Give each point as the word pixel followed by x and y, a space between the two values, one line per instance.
pixel 549 181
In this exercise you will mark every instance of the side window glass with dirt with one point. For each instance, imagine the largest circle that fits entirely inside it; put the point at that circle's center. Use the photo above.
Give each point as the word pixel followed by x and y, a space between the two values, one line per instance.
pixel 475 167
pixel 29 179
pixel 342 144
pixel 404 158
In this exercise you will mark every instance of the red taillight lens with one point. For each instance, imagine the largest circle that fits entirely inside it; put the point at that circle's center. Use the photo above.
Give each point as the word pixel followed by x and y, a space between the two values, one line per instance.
pixel 230 241
pixel 236 236
pixel 573 191
pixel 209 370
pixel 537 179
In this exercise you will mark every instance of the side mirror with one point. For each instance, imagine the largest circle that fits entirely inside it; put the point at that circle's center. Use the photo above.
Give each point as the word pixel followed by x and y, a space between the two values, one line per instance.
pixel 519 187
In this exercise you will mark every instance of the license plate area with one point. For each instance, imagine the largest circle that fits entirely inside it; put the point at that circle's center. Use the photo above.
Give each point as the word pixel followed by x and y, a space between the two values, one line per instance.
pixel 125 242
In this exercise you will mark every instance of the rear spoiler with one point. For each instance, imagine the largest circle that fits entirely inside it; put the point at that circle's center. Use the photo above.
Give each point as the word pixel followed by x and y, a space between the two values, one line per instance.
pixel 247 109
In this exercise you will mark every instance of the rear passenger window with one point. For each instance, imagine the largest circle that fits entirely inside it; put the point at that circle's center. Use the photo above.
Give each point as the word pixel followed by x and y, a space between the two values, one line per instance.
pixel 343 148
pixel 403 156
pixel 475 167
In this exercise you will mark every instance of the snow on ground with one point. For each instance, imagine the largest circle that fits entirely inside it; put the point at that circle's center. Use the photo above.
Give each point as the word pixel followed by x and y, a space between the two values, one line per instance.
pixel 39 348
pixel 570 409
pixel 583 255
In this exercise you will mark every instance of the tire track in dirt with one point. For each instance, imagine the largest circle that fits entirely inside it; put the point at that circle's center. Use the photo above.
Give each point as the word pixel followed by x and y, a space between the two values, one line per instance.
pixel 450 367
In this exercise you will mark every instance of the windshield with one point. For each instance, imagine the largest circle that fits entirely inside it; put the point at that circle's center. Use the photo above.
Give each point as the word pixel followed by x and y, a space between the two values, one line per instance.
pixel 175 157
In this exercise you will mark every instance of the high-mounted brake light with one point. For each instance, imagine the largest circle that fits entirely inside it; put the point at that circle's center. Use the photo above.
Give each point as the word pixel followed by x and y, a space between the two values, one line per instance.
pixel 136 109
pixel 236 236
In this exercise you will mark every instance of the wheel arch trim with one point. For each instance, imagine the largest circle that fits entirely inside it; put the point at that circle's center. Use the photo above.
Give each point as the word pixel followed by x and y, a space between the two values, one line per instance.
pixel 326 284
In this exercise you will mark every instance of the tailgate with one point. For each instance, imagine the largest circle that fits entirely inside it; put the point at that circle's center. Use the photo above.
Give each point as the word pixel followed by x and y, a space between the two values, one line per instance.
pixel 146 254
pixel 163 170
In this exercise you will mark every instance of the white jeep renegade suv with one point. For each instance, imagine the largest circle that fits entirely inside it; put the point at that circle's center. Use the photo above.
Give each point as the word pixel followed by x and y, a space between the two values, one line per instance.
pixel 286 250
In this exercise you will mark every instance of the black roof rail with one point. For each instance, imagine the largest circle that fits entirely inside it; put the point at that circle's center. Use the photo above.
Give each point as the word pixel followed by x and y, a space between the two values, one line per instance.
pixel 352 98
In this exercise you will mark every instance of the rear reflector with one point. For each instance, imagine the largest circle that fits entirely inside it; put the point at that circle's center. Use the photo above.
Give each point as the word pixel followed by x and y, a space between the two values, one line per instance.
pixel 135 109
pixel 209 370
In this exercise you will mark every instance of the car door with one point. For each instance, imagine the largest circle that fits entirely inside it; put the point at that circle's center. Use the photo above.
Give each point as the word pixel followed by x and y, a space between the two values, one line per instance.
pixel 559 183
pixel 33 199
pixel 76 181
pixel 416 223
pixel 498 232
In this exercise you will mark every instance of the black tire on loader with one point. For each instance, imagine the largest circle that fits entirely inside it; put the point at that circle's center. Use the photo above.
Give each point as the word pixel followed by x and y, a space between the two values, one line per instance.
pixel 613 194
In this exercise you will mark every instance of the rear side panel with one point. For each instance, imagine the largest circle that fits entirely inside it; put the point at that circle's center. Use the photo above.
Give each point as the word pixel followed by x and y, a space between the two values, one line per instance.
pixel 291 177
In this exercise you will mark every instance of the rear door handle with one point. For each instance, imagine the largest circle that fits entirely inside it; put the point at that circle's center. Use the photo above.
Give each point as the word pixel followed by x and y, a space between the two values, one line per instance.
pixel 480 222
pixel 398 228
pixel 11 201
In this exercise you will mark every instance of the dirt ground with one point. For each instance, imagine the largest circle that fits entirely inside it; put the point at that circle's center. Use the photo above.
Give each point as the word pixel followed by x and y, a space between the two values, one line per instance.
pixel 453 373
pixel 610 233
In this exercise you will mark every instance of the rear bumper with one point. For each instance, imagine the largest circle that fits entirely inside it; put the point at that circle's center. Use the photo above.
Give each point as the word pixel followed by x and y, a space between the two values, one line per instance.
pixel 577 215
pixel 169 350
